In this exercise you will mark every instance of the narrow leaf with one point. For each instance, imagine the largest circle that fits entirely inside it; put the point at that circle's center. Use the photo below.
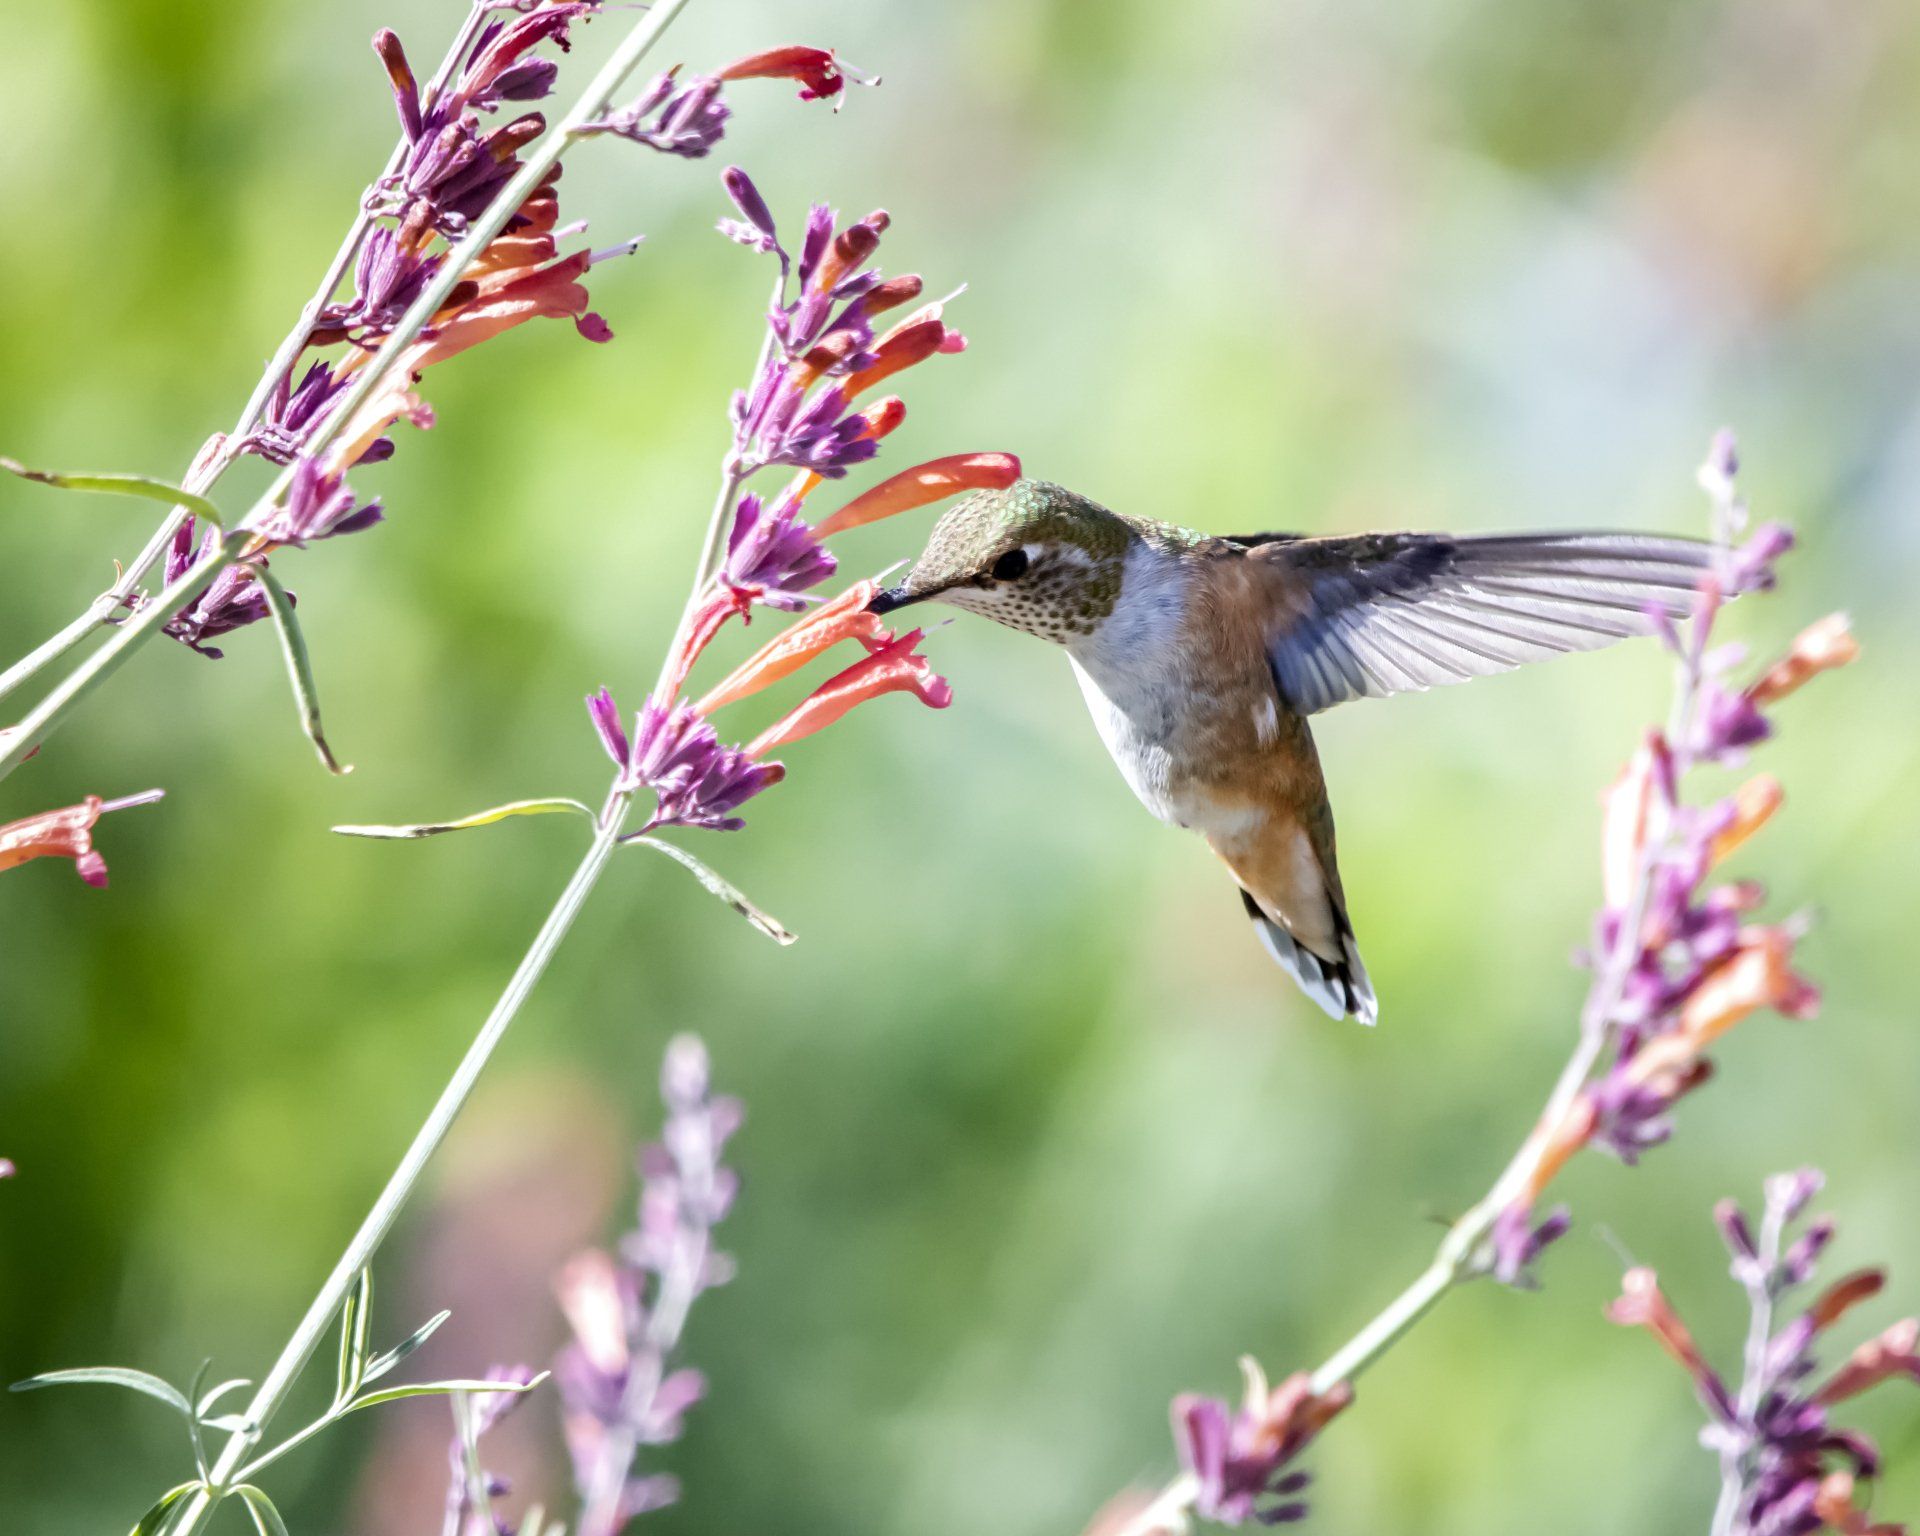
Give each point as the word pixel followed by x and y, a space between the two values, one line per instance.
pixel 478 819
pixel 293 645
pixel 723 888
pixel 121 485
pixel 112 1376
pixel 386 1362
pixel 230 1423
pixel 156 1517
pixel 438 1389
pixel 205 1405
pixel 356 1318
pixel 193 1418
pixel 266 1519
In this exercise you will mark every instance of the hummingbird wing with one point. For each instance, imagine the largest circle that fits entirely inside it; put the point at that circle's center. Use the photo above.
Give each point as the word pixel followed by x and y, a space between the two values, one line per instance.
pixel 1374 614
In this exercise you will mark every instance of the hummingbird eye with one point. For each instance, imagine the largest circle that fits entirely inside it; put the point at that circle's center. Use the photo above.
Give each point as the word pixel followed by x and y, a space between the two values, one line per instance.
pixel 1011 566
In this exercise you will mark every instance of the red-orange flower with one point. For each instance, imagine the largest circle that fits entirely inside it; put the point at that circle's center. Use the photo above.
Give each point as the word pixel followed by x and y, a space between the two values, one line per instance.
pixel 923 483
pixel 895 668
pixel 818 71
pixel 845 618
pixel 66 833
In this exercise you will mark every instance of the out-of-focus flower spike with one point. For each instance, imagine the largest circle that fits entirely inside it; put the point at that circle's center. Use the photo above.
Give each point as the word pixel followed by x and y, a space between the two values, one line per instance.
pixel 923 483
pixel 1757 975
pixel 845 618
pixel 67 833
pixel 895 668
pixel 1818 648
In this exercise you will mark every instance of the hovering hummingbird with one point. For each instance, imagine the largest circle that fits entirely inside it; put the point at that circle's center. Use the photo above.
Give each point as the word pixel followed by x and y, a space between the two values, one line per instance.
pixel 1201 658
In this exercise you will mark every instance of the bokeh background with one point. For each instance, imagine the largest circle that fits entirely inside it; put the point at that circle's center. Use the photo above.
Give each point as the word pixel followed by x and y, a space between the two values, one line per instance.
pixel 1036 1136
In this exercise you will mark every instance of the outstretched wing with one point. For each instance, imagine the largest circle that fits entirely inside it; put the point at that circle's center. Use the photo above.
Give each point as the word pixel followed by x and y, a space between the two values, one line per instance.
pixel 1387 613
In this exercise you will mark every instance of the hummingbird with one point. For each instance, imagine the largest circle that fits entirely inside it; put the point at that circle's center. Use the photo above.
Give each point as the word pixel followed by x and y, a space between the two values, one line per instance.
pixel 1202 657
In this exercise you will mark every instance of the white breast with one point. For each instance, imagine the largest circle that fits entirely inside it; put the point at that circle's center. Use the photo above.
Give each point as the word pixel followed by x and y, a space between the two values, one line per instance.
pixel 1133 674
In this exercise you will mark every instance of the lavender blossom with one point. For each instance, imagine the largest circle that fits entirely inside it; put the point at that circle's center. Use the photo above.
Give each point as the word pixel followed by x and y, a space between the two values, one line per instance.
pixel 628 1309
pixel 1786 1469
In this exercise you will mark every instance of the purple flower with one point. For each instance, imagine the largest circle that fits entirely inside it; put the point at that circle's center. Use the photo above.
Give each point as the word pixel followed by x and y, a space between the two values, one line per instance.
pixel 687 121
pixel 772 556
pixel 627 1310
pixel 232 600
pixel 776 423
pixel 676 753
pixel 1239 1461
pixel 388 276
pixel 318 505
pixel 1517 1240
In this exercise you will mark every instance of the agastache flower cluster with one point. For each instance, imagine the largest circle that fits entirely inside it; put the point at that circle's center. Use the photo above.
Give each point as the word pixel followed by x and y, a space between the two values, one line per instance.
pixel 1241 1462
pixel 456 157
pixel 772 558
pixel 627 1309
pixel 1786 1468
pixel 1678 959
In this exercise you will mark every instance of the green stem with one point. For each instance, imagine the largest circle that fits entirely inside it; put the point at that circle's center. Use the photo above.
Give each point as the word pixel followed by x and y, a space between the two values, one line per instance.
pixel 592 102
pixel 359 1252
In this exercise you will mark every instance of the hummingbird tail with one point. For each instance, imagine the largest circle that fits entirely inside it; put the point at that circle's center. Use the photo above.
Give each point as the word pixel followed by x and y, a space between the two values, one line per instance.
pixel 1340 987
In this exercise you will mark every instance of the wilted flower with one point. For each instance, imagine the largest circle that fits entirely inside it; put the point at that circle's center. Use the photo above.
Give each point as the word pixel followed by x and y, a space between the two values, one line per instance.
pixel 66 834
pixel 318 505
pixel 1239 1460
pixel 1785 1469
pixel 627 1310
pixel 231 601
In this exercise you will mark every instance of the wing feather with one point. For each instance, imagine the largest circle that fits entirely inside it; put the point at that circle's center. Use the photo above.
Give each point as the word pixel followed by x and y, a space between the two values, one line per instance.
pixel 1391 613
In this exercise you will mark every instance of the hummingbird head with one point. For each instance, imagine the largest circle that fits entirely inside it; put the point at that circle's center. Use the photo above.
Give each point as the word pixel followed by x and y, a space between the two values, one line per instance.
pixel 1034 557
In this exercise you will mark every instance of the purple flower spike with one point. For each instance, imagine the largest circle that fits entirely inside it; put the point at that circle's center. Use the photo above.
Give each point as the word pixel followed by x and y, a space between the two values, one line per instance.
pixel 772 556
pixel 627 1310
pixel 697 781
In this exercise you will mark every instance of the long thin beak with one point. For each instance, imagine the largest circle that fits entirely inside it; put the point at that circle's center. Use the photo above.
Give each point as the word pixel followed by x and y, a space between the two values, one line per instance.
pixel 889 598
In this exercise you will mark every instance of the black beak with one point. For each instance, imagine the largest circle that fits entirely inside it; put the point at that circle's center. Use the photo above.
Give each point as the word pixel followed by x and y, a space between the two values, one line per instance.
pixel 889 598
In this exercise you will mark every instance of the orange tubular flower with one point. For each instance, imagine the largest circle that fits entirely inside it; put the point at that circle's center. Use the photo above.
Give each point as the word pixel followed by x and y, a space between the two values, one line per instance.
pixel 1642 1304
pixel 1818 648
pixel 845 618
pixel 1753 806
pixel 895 668
pixel 1626 813
pixel 1756 975
pixel 65 834
pixel 924 483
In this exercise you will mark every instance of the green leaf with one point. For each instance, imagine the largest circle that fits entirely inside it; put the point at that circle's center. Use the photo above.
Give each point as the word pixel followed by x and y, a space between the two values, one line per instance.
pixel 266 1519
pixel 112 1376
pixel 121 485
pixel 193 1417
pixel 293 645
pixel 205 1405
pixel 438 1389
pixel 386 1362
pixel 477 819
pixel 156 1517
pixel 356 1322
pixel 721 887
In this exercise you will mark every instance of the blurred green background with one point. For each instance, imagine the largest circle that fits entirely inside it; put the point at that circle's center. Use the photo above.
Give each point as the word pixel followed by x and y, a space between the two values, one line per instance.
pixel 1036 1134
